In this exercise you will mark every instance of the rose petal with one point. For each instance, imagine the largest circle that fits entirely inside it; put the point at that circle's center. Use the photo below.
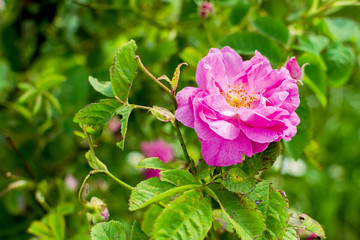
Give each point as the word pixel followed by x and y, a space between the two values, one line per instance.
pixel 185 112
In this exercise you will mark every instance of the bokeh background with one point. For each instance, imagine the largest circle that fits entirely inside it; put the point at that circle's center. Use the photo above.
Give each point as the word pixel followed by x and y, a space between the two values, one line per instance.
pixel 49 48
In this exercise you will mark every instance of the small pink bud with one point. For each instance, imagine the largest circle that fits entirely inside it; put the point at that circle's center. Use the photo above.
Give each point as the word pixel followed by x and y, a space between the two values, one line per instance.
pixel 206 9
pixel 105 214
pixel 71 182
pixel 114 125
pixel 294 69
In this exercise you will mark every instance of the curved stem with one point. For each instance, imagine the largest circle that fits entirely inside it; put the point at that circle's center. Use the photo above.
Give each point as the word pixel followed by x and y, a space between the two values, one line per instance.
pixel 125 185
pixel 81 190
pixel 142 67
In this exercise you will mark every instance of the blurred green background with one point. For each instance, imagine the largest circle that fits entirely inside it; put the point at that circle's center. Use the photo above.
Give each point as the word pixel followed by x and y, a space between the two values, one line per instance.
pixel 49 48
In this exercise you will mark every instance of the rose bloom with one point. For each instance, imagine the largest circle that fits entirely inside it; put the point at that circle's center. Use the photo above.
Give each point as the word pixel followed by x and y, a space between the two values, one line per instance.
pixel 239 107
pixel 159 149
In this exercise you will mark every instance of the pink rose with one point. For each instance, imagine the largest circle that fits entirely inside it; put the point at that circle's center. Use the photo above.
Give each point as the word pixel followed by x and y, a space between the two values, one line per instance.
pixel 159 149
pixel 239 107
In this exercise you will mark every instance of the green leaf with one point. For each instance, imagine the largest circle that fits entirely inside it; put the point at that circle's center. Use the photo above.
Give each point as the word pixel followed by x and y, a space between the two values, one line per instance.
pixel 49 82
pixel 153 163
pixel 274 207
pixel 187 217
pixel 27 95
pixel 65 208
pixel 54 101
pixel 220 217
pixel 123 71
pixel 38 103
pixel 105 88
pixel 203 170
pixel 315 75
pixel 57 225
pixel 303 221
pixel 238 12
pixel 153 190
pixel 97 115
pixel 340 62
pixel 290 234
pixel 151 213
pixel 297 143
pixel 39 229
pixel 176 76
pixel 312 43
pixel 248 42
pixel 191 55
pixel 178 177
pixel 112 230
pixel 273 28
pixel 236 180
pixel 137 233
pixel 342 29
pixel 125 112
pixel 263 160
pixel 21 109
pixel 247 221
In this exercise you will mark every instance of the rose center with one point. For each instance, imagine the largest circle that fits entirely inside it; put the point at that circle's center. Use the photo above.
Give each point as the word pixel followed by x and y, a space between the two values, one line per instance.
pixel 238 97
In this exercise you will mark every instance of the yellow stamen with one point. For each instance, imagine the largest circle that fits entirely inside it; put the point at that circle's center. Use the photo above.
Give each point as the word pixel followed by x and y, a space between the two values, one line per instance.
pixel 238 97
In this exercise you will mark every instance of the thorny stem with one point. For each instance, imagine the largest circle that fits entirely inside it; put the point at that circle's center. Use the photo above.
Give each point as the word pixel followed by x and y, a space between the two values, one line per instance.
pixel 125 185
pixel 172 95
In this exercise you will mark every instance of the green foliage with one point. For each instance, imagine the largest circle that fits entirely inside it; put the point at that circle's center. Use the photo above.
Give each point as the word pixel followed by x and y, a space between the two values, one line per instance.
pixel 153 163
pixel 340 62
pixel 153 190
pixel 52 226
pixel 303 221
pixel 274 207
pixel 97 115
pixel 125 112
pixel 108 231
pixel 273 28
pixel 246 219
pixel 123 71
pixel 263 160
pixel 148 222
pixel 236 180
pixel 44 84
pixel 178 177
pixel 137 233
pixel 312 43
pixel 187 217
pixel 315 75
pixel 104 88
pixel 342 29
